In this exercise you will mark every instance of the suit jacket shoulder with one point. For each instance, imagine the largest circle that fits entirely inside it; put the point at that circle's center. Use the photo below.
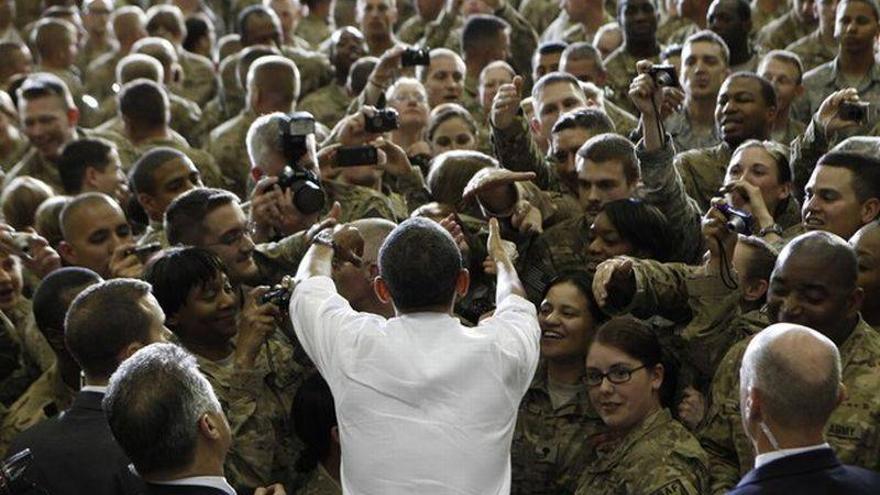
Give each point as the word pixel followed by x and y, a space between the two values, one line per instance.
pixel 815 472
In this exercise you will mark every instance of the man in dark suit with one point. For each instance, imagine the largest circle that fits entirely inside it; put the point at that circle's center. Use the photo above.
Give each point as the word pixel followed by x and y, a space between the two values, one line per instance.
pixel 790 382
pixel 75 453
pixel 165 415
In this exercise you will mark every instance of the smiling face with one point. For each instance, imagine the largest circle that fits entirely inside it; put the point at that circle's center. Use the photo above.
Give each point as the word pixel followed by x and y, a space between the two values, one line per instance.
pixel 567 325
pixel 209 313
pixel 99 230
pixel 741 111
pixel 48 124
pixel 623 406
pixel 229 237
pixel 831 203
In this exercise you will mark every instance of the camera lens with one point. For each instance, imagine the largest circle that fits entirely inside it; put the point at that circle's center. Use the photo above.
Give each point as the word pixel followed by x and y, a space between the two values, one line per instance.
pixel 663 79
pixel 738 225
pixel 309 198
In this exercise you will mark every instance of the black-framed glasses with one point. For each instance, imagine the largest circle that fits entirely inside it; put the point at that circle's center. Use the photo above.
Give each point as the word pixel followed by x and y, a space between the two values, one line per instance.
pixel 234 237
pixel 617 375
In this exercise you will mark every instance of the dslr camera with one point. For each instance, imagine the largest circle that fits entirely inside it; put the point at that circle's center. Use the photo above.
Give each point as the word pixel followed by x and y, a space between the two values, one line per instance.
pixel 308 196
pixel 664 76
pixel 415 56
pixel 739 221
pixel 384 120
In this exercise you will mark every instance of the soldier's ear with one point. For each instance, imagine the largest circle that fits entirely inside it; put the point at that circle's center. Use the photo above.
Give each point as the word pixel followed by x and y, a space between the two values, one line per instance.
pixel 381 290
pixel 68 254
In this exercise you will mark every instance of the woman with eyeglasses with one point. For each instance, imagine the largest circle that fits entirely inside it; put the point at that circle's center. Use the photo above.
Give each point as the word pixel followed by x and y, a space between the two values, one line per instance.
pixel 409 98
pixel 557 429
pixel 631 389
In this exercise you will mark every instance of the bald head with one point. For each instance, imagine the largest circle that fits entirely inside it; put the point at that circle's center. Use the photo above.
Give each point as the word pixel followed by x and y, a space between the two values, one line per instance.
pixel 374 231
pixel 822 255
pixel 794 372
pixel 71 215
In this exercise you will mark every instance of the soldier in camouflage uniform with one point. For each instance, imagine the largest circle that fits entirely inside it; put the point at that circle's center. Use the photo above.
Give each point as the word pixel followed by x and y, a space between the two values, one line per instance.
pixel 199 81
pixel 650 452
pixel 794 25
pixel 853 428
pixel 128 27
pixel 702 171
pixel 317 26
pixel 638 20
pixel 557 428
pixel 329 104
pixel 784 71
pixel 250 364
pixel 539 13
pixel 819 46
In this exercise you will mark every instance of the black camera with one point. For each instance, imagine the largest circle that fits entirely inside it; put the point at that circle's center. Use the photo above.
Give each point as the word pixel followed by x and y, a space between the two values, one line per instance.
pixel 739 221
pixel 279 295
pixel 383 120
pixel 308 196
pixel 856 111
pixel 664 76
pixel 416 56
pixel 353 156
pixel 12 479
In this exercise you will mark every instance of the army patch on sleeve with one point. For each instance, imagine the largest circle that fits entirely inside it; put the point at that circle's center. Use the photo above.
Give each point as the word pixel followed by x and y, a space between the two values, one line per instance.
pixel 674 487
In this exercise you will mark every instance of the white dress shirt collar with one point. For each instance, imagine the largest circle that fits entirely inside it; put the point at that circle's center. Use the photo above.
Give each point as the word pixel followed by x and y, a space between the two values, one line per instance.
pixel 218 482
pixel 769 457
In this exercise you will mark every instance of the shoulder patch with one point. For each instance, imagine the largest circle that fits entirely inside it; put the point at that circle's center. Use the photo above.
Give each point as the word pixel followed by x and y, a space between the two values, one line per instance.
pixel 674 487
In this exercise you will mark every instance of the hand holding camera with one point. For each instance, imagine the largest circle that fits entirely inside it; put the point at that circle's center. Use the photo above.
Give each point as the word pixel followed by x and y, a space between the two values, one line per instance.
pixel 298 145
pixel 255 323
pixel 33 250
pixel 720 226
pixel 841 110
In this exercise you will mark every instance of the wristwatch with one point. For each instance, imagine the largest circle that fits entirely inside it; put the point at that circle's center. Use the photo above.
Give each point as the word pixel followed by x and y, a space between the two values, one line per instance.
pixel 773 229
pixel 325 238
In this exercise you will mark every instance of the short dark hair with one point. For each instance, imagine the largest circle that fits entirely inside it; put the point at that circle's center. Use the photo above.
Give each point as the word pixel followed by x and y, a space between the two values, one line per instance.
pixel 77 156
pixel 836 255
pixel 167 17
pixel 592 119
pixel 103 320
pixel 870 3
pixel 153 405
pixel 553 78
pixel 583 281
pixel 452 170
pixel 145 103
pixel 865 171
pixel 768 92
pixel 177 271
pixel 642 225
pixel 481 28
pixel 359 73
pixel 197 27
pixel 184 216
pixel 583 50
pixel 708 36
pixel 55 294
pixel 42 84
pixel 313 416
pixel 670 51
pixel 606 147
pixel 551 47
pixel 245 15
pixel 420 263
pixel 636 338
pixel 141 175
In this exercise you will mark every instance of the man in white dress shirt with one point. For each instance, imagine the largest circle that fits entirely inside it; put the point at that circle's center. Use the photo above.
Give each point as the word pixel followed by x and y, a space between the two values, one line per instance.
pixel 425 405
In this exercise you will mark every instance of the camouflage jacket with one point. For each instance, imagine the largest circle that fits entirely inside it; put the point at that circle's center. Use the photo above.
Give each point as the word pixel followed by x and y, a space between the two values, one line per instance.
pixel 314 30
pixel 226 144
pixel 540 13
pixel 826 78
pixel 203 160
pixel 621 68
pixel 257 403
pixel 658 457
pixel 559 248
pixel 664 189
pixel 45 398
pixel 555 31
pixel 683 135
pixel 315 70
pixel 702 172
pixel 779 33
pixel 813 51
pixel 199 79
pixel 155 233
pixel 551 445
pixel 328 104
pixel 320 483
pixel 853 429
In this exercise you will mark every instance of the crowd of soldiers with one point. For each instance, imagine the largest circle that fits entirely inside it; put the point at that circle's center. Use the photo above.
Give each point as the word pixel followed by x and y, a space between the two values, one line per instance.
pixel 705 168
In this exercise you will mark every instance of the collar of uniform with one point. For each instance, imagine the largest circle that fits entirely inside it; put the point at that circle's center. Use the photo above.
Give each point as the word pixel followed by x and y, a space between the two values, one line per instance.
pixel 580 406
pixel 855 344
pixel 837 77
pixel 654 420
